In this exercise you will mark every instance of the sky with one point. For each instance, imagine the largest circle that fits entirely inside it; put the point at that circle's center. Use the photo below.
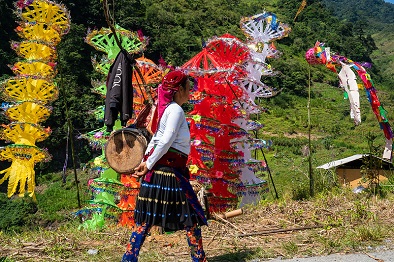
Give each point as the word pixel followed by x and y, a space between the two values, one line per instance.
pixel 389 1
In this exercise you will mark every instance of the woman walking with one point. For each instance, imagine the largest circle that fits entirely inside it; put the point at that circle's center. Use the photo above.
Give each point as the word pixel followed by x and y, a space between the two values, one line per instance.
pixel 166 198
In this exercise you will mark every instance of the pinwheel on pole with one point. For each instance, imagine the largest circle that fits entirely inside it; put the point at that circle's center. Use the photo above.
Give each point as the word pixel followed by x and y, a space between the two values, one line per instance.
pixel 216 160
pixel 319 54
pixel 42 24
pixel 145 76
pixel 228 75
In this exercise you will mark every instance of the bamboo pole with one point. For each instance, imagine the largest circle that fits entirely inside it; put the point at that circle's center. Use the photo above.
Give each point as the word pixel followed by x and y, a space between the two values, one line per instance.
pixel 69 135
pixel 270 175
pixel 311 179
pixel 73 158
pixel 266 232
pixel 230 214
pixel 111 24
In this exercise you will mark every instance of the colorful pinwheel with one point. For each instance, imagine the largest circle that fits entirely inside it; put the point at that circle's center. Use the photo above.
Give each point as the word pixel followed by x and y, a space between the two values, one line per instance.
pixel 145 76
pixel 322 55
pixel 228 76
pixel 42 25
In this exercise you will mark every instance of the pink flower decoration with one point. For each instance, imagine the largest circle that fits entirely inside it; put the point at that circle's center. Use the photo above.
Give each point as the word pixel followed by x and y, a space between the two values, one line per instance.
pixel 98 135
pixel 219 174
pixel 310 57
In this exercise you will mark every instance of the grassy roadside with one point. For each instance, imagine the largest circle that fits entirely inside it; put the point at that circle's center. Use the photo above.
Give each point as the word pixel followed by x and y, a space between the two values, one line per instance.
pixel 340 221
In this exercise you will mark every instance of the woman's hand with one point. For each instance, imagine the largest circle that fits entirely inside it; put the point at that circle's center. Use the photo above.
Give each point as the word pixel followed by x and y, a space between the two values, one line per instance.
pixel 140 170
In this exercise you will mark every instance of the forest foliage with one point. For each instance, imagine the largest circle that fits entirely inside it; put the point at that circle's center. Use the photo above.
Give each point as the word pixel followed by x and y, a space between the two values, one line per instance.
pixel 176 31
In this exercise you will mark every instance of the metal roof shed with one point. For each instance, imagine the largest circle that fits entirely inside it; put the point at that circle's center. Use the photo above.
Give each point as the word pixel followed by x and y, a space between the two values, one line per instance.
pixel 349 169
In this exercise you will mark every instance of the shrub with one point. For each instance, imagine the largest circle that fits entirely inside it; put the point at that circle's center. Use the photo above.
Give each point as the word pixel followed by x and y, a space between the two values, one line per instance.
pixel 15 212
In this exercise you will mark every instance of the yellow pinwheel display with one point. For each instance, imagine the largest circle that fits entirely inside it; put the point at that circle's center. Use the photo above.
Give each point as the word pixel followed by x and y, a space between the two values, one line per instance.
pixel 24 133
pixel 29 112
pixel 39 32
pixel 30 89
pixel 49 13
pixel 21 171
pixel 34 68
pixel 34 51
pixel 43 23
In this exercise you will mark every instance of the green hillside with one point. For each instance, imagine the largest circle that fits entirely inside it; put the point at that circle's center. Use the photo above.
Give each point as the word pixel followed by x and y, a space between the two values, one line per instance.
pixel 372 14
pixel 384 55
pixel 377 18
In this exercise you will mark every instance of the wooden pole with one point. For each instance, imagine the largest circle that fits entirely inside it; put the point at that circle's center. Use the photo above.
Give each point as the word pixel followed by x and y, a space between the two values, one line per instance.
pixel 110 23
pixel 70 135
pixel 266 232
pixel 73 158
pixel 270 175
pixel 231 214
pixel 311 180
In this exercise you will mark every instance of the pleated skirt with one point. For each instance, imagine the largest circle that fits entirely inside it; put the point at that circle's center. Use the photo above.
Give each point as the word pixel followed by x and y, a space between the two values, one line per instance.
pixel 162 202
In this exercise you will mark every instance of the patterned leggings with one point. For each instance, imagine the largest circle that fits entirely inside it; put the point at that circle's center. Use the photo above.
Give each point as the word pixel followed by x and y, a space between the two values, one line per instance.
pixel 193 235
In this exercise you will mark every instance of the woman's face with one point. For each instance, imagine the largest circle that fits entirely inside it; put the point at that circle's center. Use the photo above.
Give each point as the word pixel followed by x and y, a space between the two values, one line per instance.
pixel 184 93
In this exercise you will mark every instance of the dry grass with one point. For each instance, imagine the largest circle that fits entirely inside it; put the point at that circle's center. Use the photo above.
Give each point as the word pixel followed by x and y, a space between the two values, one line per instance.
pixel 343 223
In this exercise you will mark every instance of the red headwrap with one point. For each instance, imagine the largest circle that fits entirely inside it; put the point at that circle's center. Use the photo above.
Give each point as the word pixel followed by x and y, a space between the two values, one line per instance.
pixel 166 91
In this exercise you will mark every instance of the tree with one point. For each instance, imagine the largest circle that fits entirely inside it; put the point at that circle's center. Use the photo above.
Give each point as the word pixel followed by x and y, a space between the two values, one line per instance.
pixel 7 26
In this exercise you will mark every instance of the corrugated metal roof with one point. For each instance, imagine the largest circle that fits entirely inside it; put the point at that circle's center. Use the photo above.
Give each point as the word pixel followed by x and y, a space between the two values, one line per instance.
pixel 342 161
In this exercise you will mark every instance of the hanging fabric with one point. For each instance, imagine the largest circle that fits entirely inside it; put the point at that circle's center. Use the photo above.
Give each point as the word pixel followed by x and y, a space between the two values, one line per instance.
pixel 119 98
